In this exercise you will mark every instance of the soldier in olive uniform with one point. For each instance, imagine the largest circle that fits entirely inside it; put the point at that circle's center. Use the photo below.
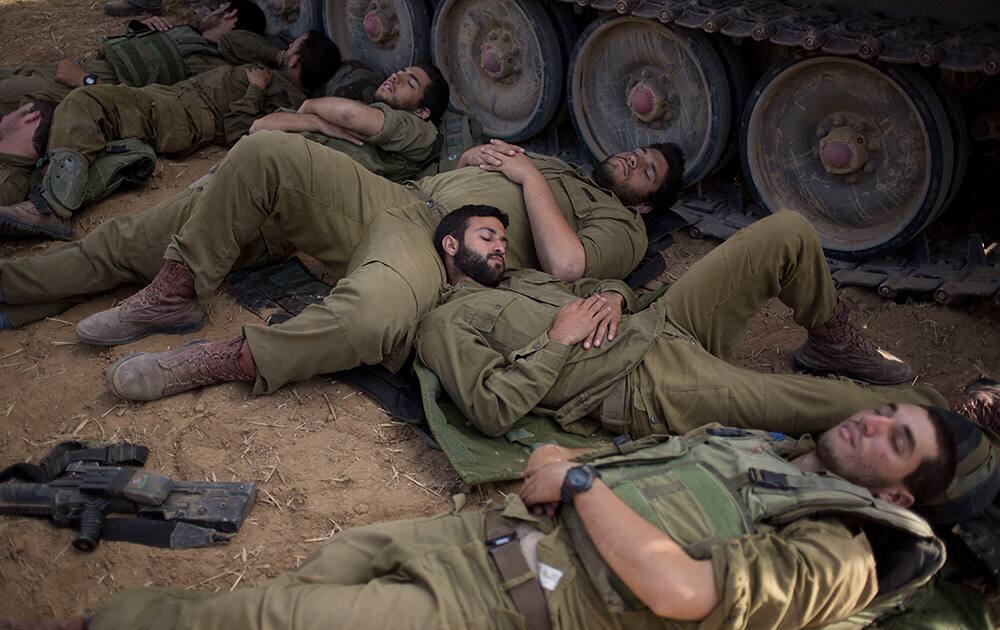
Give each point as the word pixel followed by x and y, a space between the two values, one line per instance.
pixel 214 107
pixel 281 191
pixel 394 137
pixel 537 344
pixel 722 528
pixel 233 35
pixel 129 249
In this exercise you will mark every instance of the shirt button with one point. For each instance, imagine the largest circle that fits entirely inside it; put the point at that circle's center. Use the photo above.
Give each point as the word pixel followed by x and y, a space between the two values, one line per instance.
pixel 430 203
pixel 653 420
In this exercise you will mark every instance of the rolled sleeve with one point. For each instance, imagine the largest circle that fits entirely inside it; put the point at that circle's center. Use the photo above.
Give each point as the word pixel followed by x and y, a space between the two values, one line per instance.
pixel 810 573
pixel 613 246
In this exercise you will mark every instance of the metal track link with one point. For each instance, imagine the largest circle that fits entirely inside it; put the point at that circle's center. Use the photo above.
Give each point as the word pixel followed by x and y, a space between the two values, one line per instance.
pixel 866 36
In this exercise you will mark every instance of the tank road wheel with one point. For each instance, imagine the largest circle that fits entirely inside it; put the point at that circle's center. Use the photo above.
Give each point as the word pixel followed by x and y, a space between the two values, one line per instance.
pixel 503 62
pixel 634 82
pixel 385 34
pixel 865 153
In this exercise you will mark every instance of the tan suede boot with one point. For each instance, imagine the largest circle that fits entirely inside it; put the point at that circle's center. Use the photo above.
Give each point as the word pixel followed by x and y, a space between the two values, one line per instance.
pixel 27 219
pixel 167 305
pixel 839 347
pixel 154 375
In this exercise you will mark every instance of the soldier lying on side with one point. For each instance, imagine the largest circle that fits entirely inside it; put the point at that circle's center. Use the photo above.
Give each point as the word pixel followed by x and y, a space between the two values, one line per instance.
pixel 217 106
pixel 722 528
pixel 129 249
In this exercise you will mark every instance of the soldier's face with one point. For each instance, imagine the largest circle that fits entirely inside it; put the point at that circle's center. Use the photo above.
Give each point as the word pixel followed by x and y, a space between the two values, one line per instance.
pixel 632 175
pixel 293 51
pixel 482 254
pixel 878 448
pixel 404 89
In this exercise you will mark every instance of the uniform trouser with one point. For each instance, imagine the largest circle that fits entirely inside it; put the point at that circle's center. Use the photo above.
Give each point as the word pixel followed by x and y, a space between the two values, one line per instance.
pixel 421 574
pixel 685 380
pixel 281 188
pixel 164 117
pixel 121 250
pixel 40 79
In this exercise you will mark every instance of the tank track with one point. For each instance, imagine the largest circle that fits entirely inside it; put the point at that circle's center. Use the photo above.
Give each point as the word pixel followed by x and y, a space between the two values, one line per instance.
pixel 867 36
pixel 944 271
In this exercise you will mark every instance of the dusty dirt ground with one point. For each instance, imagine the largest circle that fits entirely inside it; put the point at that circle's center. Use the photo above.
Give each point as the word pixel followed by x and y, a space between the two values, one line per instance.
pixel 324 455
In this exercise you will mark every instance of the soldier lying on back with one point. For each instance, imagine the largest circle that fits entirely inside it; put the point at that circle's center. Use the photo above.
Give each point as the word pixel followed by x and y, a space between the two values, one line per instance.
pixel 217 106
pixel 394 137
pixel 505 344
pixel 233 34
pixel 719 529
pixel 277 192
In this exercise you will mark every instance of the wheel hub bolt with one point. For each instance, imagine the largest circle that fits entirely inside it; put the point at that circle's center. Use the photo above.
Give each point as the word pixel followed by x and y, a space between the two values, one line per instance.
pixel 498 56
pixel 843 151
pixel 378 26
pixel 646 102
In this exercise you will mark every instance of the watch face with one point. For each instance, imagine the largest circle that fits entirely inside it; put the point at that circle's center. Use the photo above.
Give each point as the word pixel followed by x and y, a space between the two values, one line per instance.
pixel 577 477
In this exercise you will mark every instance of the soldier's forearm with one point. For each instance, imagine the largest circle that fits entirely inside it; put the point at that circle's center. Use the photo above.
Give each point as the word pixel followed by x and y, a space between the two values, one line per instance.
pixel 350 115
pixel 661 574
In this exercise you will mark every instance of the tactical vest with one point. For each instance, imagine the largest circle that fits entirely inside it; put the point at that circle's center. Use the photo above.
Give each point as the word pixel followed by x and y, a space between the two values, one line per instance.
pixel 145 58
pixel 705 489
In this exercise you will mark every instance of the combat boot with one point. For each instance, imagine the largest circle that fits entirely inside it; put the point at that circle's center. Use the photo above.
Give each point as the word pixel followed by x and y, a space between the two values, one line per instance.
pixel 154 375
pixel 167 305
pixel 980 402
pixel 839 347
pixel 27 219
pixel 124 8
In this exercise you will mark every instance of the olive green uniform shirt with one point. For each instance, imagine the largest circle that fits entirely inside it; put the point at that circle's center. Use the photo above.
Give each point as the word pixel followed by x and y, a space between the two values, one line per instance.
pixel 613 236
pixel 398 152
pixel 491 350
pixel 235 102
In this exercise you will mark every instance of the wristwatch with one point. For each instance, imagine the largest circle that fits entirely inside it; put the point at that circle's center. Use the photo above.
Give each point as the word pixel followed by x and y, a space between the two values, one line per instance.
pixel 90 79
pixel 578 479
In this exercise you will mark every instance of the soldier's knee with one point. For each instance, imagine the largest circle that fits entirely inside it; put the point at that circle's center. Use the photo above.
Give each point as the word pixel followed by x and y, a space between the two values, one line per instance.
pixel 793 225
pixel 268 146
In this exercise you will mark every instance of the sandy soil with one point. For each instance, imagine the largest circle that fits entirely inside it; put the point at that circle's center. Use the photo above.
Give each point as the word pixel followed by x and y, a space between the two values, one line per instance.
pixel 324 455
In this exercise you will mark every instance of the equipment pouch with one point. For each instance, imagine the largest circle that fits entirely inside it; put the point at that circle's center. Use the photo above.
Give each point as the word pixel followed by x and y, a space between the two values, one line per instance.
pixel 145 58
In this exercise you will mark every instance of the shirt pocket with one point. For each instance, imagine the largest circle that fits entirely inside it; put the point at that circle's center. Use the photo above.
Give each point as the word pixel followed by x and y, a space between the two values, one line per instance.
pixel 540 287
pixel 483 316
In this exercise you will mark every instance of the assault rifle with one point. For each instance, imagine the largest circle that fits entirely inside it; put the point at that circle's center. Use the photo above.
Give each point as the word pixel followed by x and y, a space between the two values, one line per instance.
pixel 84 487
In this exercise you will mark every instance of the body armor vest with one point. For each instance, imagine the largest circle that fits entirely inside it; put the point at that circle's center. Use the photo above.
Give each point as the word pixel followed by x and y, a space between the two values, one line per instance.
pixel 711 487
pixel 153 56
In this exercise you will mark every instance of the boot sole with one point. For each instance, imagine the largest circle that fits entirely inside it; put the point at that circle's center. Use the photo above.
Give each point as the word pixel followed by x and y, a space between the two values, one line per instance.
pixel 13 227
pixel 805 367
pixel 162 330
